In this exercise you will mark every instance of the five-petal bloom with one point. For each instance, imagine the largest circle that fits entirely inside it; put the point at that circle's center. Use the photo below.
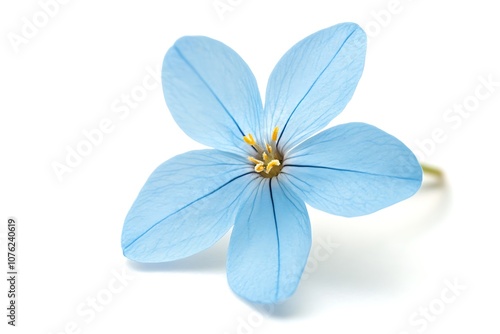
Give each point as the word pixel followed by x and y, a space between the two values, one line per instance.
pixel 265 165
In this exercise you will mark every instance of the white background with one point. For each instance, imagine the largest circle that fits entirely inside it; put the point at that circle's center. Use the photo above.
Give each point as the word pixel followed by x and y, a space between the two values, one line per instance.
pixel 378 270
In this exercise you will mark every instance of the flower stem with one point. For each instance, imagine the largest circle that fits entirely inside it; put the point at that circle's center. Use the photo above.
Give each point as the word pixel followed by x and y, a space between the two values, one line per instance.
pixel 432 171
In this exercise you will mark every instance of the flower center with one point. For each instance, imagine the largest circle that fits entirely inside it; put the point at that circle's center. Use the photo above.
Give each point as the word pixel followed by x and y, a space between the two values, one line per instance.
pixel 267 162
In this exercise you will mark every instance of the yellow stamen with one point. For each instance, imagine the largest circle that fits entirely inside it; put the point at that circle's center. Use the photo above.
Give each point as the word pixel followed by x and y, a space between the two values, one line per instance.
pixel 270 157
pixel 259 168
pixel 249 139
pixel 271 164
pixel 255 161
pixel 275 134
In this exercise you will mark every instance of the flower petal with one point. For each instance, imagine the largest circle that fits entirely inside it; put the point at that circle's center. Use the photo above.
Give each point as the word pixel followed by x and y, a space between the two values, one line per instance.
pixel 186 205
pixel 269 244
pixel 314 81
pixel 211 93
pixel 352 169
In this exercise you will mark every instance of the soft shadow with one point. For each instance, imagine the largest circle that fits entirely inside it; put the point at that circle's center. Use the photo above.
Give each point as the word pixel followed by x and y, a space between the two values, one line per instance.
pixel 211 260
pixel 361 268
pixel 366 268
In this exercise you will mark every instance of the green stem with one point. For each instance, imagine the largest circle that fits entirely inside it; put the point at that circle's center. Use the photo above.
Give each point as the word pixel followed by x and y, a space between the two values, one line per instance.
pixel 431 170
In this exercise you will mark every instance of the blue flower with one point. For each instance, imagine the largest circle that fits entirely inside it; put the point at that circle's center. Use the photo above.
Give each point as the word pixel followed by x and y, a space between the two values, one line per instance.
pixel 267 162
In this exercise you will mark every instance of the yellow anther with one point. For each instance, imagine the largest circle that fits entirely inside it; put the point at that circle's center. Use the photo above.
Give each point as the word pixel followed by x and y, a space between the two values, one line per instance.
pixel 270 156
pixel 275 134
pixel 255 161
pixel 259 168
pixel 271 164
pixel 249 139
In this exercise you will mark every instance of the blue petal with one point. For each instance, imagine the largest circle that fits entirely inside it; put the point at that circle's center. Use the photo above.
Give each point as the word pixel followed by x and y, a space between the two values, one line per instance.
pixel 352 169
pixel 314 81
pixel 269 244
pixel 186 205
pixel 211 93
